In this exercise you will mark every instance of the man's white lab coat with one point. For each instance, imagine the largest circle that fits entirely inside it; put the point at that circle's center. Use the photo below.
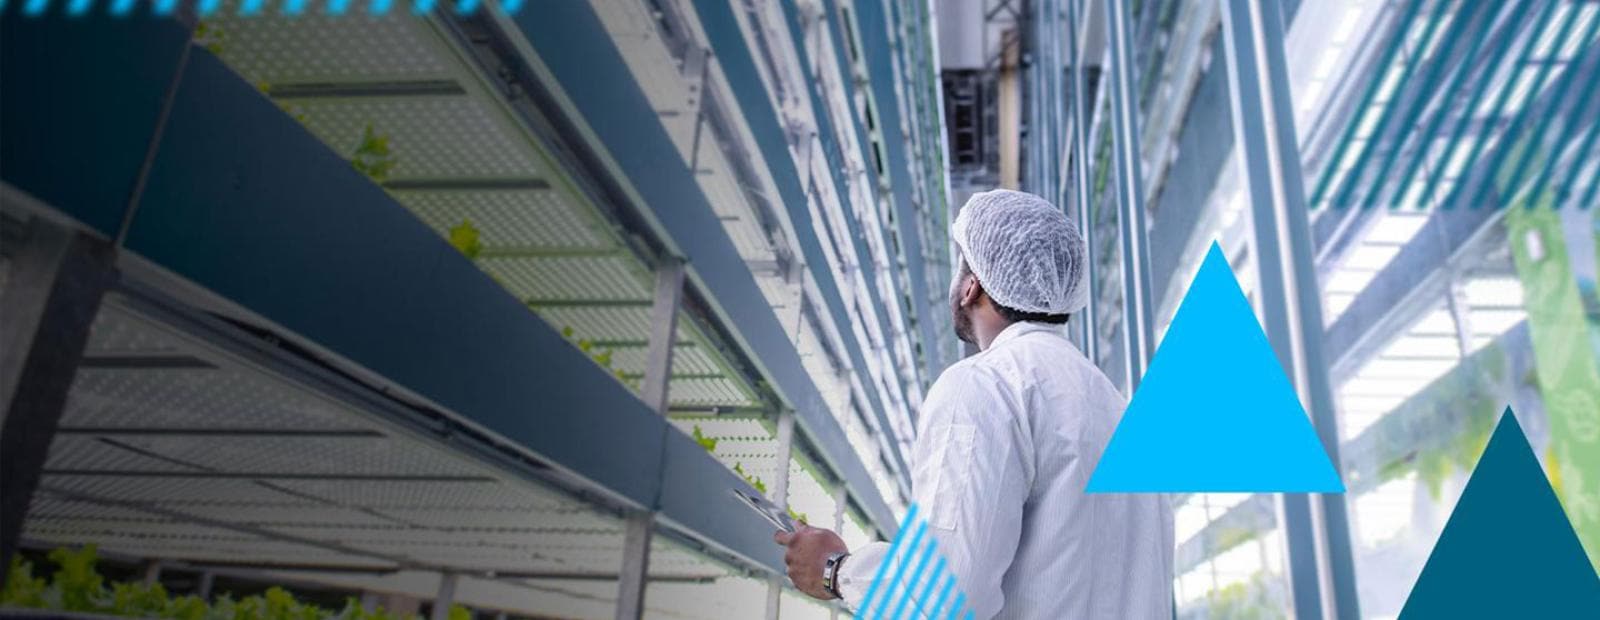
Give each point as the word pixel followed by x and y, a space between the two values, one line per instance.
pixel 1006 442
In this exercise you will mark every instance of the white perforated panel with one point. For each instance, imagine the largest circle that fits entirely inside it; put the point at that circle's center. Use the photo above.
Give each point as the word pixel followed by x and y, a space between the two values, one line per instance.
pixel 514 219
pixel 160 490
pixel 383 494
pixel 274 49
pixel 192 398
pixel 115 333
pixel 361 455
pixel 600 278
pixel 89 453
pixel 707 392
pixel 429 137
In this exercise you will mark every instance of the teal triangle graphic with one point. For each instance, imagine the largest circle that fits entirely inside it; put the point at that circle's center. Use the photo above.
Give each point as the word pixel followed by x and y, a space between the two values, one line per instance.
pixel 1508 550
pixel 1214 412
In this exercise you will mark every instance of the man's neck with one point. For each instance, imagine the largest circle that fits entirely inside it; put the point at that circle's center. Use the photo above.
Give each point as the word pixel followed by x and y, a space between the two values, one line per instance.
pixel 987 331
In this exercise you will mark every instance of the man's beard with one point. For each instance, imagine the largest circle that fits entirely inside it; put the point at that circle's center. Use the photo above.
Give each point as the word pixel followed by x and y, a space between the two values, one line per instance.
pixel 964 327
pixel 961 318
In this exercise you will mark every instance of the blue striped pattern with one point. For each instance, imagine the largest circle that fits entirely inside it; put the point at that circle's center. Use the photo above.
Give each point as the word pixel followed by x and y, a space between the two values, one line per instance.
pixel 917 569
pixel 1475 114
pixel 251 8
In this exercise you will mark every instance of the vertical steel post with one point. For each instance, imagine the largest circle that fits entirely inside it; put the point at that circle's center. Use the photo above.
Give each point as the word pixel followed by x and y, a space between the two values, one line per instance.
pixel 1322 572
pixel 1136 328
pixel 1080 180
pixel 208 580
pixel 841 502
pixel 446 596
pixel 640 526
pixel 57 280
pixel 780 496
pixel 663 333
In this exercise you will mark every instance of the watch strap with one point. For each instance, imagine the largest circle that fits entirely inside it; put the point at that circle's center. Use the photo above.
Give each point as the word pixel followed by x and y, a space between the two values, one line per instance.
pixel 830 573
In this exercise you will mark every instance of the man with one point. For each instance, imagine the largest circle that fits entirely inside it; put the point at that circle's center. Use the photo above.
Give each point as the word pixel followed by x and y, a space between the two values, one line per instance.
pixel 1007 440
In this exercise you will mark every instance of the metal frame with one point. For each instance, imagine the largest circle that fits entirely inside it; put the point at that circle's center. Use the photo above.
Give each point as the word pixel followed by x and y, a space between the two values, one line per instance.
pixel 634 572
pixel 1080 164
pixel 1136 326
pixel 55 286
pixel 571 47
pixel 478 379
pixel 1322 572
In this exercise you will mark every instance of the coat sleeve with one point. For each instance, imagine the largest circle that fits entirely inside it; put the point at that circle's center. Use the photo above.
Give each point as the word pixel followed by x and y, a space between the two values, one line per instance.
pixel 970 486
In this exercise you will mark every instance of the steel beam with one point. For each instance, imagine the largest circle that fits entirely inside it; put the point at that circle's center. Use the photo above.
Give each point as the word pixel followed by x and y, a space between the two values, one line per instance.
pixel 354 90
pixel 457 184
pixel 1405 288
pixel 638 530
pixel 1080 194
pixel 1136 327
pixel 1322 572
pixel 214 432
pixel 446 597
pixel 57 280
pixel 663 326
pixel 780 496
pixel 635 570
pixel 588 303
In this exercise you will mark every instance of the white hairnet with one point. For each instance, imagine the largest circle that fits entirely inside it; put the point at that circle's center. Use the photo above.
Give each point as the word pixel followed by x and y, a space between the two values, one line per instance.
pixel 1025 252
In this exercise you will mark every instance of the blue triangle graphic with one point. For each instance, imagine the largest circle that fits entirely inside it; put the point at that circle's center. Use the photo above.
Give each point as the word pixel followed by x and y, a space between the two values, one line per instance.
pixel 1215 412
pixel 1508 550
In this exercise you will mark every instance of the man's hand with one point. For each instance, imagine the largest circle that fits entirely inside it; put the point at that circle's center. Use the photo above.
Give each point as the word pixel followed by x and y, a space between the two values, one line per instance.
pixel 808 549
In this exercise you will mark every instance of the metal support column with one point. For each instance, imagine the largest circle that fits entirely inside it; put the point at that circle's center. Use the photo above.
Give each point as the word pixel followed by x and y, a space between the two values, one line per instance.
pixel 57 280
pixel 208 581
pixel 780 496
pixel 1136 330
pixel 663 325
pixel 446 596
pixel 1080 182
pixel 841 503
pixel 152 572
pixel 658 369
pixel 1322 573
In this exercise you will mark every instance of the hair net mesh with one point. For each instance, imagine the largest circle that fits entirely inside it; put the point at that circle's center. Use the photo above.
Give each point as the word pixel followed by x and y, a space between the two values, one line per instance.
pixel 1025 252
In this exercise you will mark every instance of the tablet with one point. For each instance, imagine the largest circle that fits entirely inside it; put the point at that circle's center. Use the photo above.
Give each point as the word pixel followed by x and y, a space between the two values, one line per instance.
pixel 778 517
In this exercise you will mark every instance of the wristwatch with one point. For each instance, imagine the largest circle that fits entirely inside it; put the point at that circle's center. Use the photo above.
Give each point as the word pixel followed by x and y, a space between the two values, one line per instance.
pixel 830 573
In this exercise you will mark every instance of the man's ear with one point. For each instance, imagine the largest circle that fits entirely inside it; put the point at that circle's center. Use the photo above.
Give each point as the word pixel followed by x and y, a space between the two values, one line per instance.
pixel 971 290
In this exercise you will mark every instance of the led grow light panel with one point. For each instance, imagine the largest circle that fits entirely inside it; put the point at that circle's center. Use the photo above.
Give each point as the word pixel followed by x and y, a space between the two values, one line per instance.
pixel 441 137
pixel 359 455
pixel 605 323
pixel 163 490
pixel 477 557
pixel 286 513
pixel 118 333
pixel 146 529
pixel 690 360
pixel 509 219
pixel 191 398
pixel 561 515
pixel 385 494
pixel 597 532
pixel 276 49
pixel 607 279
pixel 202 550
pixel 88 453
pixel 701 392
